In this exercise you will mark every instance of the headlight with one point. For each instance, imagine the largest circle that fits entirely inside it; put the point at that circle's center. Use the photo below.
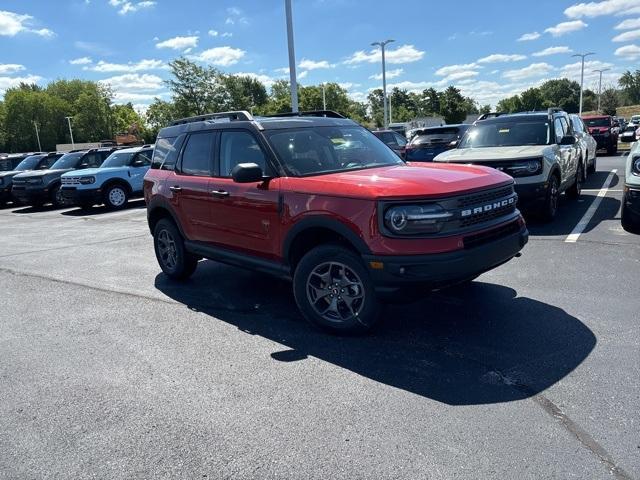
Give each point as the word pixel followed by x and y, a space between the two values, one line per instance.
pixel 34 181
pixel 87 180
pixel 524 168
pixel 635 166
pixel 415 219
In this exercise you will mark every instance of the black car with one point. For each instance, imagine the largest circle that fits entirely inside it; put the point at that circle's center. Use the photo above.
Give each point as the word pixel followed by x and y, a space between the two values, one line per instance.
pixel 10 161
pixel 427 143
pixel 393 140
pixel 40 161
pixel 36 188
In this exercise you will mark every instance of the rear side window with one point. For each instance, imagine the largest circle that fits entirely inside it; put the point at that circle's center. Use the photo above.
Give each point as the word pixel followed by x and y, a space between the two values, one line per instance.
pixel 239 147
pixel 197 154
pixel 560 129
pixel 166 151
pixel 93 160
pixel 144 156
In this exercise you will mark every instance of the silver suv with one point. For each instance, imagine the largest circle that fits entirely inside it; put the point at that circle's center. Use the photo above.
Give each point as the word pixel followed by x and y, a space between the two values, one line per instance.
pixel 538 149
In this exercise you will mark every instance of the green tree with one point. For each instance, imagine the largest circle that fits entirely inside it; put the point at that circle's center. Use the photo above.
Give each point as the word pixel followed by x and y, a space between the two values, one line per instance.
pixel 630 84
pixel 280 98
pixel 159 115
pixel 4 137
pixel 485 109
pixel 431 101
pixel 609 101
pixel 243 92
pixel 453 106
pixel 375 101
pixel 531 100
pixel 563 93
pixel 196 90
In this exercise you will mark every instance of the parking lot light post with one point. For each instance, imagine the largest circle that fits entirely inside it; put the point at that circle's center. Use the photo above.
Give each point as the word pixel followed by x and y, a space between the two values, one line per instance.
pixel 292 58
pixel 324 98
pixel 37 136
pixel 384 80
pixel 583 56
pixel 70 132
pixel 600 85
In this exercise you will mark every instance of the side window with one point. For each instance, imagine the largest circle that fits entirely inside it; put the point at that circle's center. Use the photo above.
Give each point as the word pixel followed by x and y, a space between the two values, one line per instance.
pixel 144 156
pixel 559 128
pixel 239 147
pixel 400 140
pixel 387 137
pixel 196 157
pixel 165 154
pixel 92 160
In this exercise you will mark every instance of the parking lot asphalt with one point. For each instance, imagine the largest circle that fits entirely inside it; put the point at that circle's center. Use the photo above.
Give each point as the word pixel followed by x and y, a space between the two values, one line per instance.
pixel 109 370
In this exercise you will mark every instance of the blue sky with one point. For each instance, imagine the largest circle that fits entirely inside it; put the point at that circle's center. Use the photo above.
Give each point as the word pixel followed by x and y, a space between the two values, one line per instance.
pixel 489 49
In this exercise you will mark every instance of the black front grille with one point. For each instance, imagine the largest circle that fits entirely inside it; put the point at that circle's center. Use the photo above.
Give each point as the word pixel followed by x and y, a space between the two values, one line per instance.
pixel 484 197
pixel 487 216
pixel 483 238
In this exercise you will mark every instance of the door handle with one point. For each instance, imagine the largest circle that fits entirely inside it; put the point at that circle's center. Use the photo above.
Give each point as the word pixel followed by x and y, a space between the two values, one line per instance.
pixel 175 188
pixel 220 193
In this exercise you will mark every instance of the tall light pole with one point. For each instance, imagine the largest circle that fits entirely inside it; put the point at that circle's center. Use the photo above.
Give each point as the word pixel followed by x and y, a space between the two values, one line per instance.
pixel 583 56
pixel 70 133
pixel 384 79
pixel 37 136
pixel 390 111
pixel 600 85
pixel 324 98
pixel 292 58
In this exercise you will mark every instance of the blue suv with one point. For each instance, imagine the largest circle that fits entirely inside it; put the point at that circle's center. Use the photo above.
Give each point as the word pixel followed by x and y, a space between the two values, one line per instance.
pixel 113 183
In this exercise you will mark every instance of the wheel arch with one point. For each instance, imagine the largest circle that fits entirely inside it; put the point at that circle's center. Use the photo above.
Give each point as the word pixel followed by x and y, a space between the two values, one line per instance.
pixel 117 181
pixel 156 211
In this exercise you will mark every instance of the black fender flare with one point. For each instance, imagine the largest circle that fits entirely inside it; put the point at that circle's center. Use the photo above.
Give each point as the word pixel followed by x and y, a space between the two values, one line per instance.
pixel 158 204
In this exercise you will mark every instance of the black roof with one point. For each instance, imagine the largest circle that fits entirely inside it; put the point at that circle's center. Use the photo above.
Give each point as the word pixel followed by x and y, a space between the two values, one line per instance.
pixel 229 120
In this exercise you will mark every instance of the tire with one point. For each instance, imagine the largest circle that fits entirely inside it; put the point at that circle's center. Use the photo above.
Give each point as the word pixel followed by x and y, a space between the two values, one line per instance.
pixel 172 257
pixel 550 208
pixel 592 168
pixel 630 222
pixel 334 291
pixel 576 188
pixel 115 196
pixel 56 197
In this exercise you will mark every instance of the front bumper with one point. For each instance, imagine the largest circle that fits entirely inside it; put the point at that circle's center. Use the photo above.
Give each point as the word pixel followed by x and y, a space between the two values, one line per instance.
pixel 482 252
pixel 31 195
pixel 602 141
pixel 84 196
pixel 631 198
pixel 5 193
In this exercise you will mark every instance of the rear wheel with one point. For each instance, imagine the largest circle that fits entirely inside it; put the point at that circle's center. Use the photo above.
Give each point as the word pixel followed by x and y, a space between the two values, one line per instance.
pixel 116 197
pixel 334 291
pixel 592 167
pixel 576 188
pixel 172 257
pixel 552 198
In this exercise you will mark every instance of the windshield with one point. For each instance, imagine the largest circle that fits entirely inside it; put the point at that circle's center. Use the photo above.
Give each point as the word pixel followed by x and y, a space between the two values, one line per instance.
pixel 436 135
pixel 507 134
pixel 118 159
pixel 68 160
pixel 598 122
pixel 30 163
pixel 306 151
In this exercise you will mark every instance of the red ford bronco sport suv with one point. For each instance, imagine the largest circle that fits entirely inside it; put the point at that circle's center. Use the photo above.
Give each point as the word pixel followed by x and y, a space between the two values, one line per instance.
pixel 317 198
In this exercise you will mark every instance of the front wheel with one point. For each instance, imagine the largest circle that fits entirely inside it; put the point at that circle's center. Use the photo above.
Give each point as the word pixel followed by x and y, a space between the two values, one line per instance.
pixel 592 167
pixel 57 200
pixel 173 258
pixel 116 197
pixel 334 291
pixel 552 198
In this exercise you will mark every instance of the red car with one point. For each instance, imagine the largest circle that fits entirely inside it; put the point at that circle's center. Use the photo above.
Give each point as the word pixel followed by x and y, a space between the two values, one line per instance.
pixel 317 198
pixel 603 130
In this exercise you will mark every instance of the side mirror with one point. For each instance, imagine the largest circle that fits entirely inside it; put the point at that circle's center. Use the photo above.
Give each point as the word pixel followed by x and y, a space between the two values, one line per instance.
pixel 83 165
pixel 568 140
pixel 247 173
pixel 137 163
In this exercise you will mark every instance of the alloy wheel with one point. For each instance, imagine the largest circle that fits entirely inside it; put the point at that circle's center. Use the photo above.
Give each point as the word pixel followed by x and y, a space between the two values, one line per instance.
pixel 167 249
pixel 335 291
pixel 117 196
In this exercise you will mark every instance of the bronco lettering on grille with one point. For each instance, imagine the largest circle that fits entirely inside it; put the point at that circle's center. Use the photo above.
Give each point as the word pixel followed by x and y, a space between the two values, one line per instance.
pixel 487 208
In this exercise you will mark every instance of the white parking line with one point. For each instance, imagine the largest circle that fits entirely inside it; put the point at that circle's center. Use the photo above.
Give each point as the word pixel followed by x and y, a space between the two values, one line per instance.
pixel 586 218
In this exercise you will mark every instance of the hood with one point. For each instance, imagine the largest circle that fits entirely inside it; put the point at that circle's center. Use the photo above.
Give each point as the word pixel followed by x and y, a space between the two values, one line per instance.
pixel 92 171
pixel 464 155
pixel 10 173
pixel 422 180
pixel 42 173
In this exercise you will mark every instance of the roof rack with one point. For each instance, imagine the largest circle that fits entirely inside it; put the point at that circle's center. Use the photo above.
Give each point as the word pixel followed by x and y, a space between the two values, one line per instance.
pixel 147 145
pixel 484 116
pixel 309 113
pixel 240 115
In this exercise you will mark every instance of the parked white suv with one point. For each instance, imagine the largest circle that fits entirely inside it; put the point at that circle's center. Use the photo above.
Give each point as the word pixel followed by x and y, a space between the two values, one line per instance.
pixel 538 149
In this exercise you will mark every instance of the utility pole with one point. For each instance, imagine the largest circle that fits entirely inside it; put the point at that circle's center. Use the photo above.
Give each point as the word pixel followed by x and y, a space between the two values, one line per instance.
pixel 583 56
pixel 70 132
pixel 384 80
pixel 37 136
pixel 292 58
pixel 600 85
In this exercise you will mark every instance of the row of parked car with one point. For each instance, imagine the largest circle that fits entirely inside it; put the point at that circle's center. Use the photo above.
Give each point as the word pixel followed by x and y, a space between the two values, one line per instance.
pixel 84 178
pixel 547 153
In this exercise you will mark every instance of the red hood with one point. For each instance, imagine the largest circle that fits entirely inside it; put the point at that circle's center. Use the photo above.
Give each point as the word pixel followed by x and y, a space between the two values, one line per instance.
pixel 412 180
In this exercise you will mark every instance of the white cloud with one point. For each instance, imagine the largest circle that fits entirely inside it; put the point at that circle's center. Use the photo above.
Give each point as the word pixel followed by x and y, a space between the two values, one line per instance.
pixel 134 81
pixel 572 72
pixel 226 35
pixel 533 70
pixel 179 43
pixel 527 37
pixel 10 82
pixel 413 86
pixel 357 96
pixel 348 85
pixel 235 16
pixel 213 33
pixel 629 36
pixel 302 75
pixel 500 57
pixel 266 80
pixel 81 61
pixel 597 9
pixel 130 6
pixel 10 68
pixel 465 74
pixel 452 69
pixel 12 24
pixel 390 74
pixel 566 27
pixel 126 97
pixel 402 54
pixel 552 51
pixel 628 24
pixel 313 65
pixel 629 52
pixel 221 56
pixel 140 66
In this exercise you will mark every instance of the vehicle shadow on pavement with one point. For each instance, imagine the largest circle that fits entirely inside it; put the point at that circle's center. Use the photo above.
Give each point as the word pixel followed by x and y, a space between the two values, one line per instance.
pixel 479 344
pixel 101 209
